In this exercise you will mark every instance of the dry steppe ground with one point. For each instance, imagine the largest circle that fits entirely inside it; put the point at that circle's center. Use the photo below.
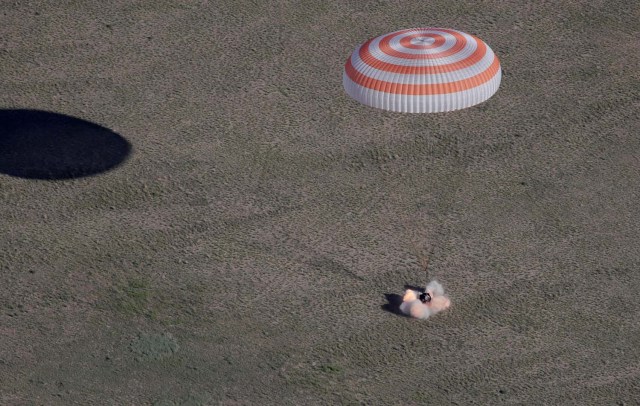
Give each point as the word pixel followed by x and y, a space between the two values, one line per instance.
pixel 242 250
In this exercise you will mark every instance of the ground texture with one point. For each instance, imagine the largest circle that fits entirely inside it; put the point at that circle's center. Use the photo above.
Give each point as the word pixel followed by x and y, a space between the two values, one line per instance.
pixel 242 251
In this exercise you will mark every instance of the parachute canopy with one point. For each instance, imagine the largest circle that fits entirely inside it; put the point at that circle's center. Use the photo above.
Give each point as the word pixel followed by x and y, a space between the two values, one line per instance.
pixel 422 70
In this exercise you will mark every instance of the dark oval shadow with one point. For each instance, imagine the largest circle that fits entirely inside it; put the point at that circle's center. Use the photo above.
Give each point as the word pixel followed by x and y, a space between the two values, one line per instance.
pixel 393 303
pixel 38 144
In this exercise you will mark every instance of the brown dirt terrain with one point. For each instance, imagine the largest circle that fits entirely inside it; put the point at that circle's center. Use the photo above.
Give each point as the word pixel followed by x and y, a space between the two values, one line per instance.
pixel 241 251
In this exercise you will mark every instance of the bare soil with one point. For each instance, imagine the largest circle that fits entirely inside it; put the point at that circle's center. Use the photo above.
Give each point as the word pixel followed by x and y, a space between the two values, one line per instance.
pixel 241 247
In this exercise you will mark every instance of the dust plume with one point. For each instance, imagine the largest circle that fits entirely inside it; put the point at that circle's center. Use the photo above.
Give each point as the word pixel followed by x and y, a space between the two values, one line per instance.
pixel 422 305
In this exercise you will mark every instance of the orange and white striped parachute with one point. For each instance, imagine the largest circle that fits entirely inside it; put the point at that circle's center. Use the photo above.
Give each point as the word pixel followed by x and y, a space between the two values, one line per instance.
pixel 422 70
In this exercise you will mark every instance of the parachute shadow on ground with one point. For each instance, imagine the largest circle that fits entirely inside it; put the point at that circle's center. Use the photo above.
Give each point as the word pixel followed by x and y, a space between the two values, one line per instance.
pixel 37 144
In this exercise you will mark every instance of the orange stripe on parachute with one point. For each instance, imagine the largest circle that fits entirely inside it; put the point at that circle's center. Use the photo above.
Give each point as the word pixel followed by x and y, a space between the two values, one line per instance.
pixel 376 63
pixel 438 41
pixel 384 45
pixel 422 89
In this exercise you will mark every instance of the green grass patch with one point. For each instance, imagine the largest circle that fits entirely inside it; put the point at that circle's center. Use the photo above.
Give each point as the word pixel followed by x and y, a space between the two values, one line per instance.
pixel 331 369
pixel 133 297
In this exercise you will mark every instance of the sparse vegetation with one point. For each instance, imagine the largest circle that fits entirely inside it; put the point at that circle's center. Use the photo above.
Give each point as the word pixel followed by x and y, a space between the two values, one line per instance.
pixel 242 252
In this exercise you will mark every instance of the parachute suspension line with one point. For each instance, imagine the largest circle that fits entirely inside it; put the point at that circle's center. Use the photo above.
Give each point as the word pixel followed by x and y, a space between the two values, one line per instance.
pixel 422 70
pixel 456 183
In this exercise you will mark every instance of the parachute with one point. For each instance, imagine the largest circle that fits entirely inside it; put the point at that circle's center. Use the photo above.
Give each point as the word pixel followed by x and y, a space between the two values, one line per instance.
pixel 422 70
